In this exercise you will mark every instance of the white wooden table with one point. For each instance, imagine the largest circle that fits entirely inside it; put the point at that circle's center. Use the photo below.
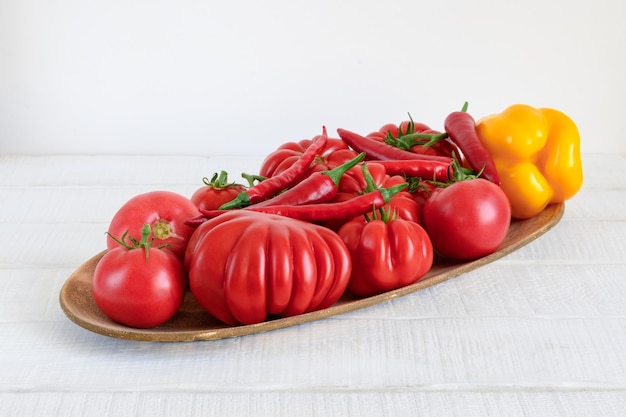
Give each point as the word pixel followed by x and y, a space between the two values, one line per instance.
pixel 541 332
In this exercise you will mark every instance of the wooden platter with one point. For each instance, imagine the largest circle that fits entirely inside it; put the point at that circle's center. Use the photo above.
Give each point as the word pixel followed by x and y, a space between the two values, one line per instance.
pixel 191 323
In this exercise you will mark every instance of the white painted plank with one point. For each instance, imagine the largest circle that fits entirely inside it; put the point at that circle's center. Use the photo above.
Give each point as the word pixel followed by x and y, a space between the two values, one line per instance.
pixel 152 171
pixel 328 402
pixel 436 353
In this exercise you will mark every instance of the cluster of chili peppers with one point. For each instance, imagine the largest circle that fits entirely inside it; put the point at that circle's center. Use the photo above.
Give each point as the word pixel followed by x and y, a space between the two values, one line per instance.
pixel 300 194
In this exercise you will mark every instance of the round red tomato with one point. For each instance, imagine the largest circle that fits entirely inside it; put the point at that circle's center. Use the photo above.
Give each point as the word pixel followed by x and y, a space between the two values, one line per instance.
pixel 468 219
pixel 139 287
pixel 216 192
pixel 387 254
pixel 245 266
pixel 164 211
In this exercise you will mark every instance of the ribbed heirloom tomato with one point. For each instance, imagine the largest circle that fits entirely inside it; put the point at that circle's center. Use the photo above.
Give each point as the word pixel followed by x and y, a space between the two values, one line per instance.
pixel 387 253
pixel 244 266
pixel 468 219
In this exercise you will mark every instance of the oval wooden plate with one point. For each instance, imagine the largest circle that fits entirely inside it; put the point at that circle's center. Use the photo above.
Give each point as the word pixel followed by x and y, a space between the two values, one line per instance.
pixel 192 323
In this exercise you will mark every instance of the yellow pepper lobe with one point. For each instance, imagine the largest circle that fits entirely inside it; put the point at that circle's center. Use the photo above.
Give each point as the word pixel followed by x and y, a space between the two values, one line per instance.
pixel 527 189
pixel 519 132
pixel 561 161
pixel 537 155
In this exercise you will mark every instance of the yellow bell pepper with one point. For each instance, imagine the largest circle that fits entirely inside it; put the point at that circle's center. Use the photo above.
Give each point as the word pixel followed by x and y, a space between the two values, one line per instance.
pixel 537 156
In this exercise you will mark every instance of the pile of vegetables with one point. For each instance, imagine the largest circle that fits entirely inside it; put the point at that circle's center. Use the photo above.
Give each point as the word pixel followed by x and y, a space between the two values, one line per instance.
pixel 363 214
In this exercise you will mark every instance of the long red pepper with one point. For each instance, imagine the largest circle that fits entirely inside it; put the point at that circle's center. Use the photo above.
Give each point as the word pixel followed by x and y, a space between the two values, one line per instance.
pixel 322 212
pixel 271 186
pixel 381 150
pixel 319 187
pixel 427 170
pixel 461 128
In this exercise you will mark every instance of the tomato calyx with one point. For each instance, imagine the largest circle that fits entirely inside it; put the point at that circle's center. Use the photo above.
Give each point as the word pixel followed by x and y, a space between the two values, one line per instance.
pixel 386 193
pixel 408 141
pixel 385 215
pixel 219 181
pixel 144 243
pixel 410 137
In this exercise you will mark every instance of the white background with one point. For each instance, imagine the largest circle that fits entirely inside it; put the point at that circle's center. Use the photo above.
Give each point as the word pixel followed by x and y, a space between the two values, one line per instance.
pixel 241 77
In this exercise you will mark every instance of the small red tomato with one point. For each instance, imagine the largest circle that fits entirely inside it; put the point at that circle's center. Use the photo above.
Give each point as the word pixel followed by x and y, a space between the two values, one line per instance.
pixel 216 192
pixel 387 253
pixel 165 212
pixel 139 286
pixel 468 219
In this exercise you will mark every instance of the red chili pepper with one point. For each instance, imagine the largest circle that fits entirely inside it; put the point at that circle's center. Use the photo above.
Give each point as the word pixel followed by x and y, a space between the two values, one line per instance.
pixel 428 170
pixel 198 220
pixel 319 187
pixel 271 186
pixel 461 128
pixel 324 212
pixel 382 151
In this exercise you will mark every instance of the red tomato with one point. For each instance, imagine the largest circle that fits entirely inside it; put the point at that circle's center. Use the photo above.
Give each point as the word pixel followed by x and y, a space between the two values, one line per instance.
pixel 216 192
pixel 164 211
pixel 140 287
pixel 388 255
pixel 246 266
pixel 467 220
pixel 335 153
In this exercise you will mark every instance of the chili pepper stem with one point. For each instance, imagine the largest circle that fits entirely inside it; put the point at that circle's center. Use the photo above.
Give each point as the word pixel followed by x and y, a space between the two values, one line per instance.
pixel 242 200
pixel 406 142
pixel 335 174
pixel 387 193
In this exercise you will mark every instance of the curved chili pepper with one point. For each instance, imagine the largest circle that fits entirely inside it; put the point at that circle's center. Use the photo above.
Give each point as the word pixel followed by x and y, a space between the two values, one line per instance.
pixel 461 128
pixel 428 170
pixel 381 150
pixel 198 220
pixel 319 187
pixel 289 177
pixel 324 212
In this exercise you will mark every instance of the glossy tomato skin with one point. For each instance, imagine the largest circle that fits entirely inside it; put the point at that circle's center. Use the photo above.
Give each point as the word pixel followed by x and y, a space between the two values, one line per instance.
pixel 386 255
pixel 246 266
pixel 135 293
pixel 467 220
pixel 164 211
